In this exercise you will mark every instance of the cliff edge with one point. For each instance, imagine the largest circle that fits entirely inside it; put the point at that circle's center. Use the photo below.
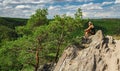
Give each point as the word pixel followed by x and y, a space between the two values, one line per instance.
pixel 100 53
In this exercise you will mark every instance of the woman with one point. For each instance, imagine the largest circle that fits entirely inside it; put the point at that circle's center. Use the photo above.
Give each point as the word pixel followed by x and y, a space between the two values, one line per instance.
pixel 90 30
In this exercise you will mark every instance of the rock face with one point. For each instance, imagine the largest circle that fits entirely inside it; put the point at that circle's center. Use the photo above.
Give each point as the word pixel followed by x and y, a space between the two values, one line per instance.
pixel 100 54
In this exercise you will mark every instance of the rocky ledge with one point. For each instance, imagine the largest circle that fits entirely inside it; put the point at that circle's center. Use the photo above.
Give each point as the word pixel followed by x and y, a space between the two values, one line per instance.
pixel 100 53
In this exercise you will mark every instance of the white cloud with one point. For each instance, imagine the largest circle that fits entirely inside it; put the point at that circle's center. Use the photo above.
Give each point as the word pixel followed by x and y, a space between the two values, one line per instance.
pixel 85 14
pixel 84 0
pixel 8 7
pixel 15 2
pixel 51 7
pixel 76 0
pixel 5 2
pixel 39 2
pixel 106 12
pixel 54 10
pixel 71 7
pixel 22 6
pixel 115 7
pixel 91 10
pixel 107 3
pixel 91 6
pixel 58 7
pixel 117 1
pixel 33 1
pixel 70 14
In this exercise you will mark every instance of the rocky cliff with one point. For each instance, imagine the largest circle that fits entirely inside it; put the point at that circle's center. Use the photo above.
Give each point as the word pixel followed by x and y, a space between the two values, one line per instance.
pixel 100 53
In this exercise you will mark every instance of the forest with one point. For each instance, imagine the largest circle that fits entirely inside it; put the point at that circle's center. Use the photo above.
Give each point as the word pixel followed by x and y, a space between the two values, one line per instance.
pixel 26 44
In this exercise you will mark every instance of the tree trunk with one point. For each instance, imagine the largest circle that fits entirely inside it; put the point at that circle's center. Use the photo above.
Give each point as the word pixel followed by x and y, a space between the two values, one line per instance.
pixel 57 54
pixel 58 48
pixel 37 60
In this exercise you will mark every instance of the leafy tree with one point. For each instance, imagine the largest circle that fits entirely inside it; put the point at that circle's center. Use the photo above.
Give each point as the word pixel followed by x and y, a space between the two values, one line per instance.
pixel 44 44
pixel 12 22
pixel 23 31
pixel 62 28
pixel 37 19
pixel 7 33
pixel 78 17
pixel 78 14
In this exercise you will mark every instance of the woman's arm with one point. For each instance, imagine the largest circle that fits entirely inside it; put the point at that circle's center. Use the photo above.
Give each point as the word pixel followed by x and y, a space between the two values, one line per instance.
pixel 91 26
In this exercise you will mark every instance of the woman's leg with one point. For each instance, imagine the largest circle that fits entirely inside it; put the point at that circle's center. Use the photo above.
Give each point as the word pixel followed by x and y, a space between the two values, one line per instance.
pixel 86 34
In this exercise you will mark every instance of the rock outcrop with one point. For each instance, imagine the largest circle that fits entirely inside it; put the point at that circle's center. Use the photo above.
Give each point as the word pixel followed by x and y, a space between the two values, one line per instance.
pixel 101 53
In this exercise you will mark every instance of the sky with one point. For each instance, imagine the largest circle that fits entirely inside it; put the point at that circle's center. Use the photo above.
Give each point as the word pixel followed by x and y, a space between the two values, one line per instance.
pixel 90 8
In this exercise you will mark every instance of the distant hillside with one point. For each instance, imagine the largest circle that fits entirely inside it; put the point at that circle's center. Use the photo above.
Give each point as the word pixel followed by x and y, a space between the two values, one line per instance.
pixel 109 26
pixel 7 27
pixel 12 22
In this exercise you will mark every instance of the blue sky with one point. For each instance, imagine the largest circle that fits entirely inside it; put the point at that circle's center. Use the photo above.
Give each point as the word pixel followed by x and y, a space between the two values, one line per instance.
pixel 90 8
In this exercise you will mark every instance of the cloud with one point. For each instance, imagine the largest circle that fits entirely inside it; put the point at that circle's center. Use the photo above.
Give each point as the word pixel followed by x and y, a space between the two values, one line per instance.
pixel 117 1
pixel 15 2
pixel 80 0
pixel 84 0
pixel 22 6
pixel 71 7
pixel 70 14
pixel 107 3
pixel 0 2
pixel 55 10
pixel 51 8
pixel 30 1
pixel 106 12
pixel 71 0
pixel 91 6
pixel 91 9
pixel 58 7
pixel 69 10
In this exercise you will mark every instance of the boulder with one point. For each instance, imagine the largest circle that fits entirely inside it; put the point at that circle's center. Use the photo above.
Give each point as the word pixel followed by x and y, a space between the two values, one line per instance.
pixel 101 54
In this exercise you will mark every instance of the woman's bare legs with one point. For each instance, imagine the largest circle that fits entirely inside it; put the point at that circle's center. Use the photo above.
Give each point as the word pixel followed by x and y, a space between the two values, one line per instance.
pixel 86 34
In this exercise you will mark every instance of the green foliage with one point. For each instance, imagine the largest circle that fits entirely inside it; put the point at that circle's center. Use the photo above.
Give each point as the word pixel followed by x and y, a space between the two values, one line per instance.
pixel 78 15
pixel 117 32
pixel 7 34
pixel 51 38
pixel 37 19
pixel 22 30
pixel 7 28
pixel 12 22
pixel 17 54
pixel 60 31
pixel 108 26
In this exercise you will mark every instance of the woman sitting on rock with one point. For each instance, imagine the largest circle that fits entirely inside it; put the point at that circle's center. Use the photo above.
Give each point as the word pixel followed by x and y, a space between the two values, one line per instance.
pixel 90 30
